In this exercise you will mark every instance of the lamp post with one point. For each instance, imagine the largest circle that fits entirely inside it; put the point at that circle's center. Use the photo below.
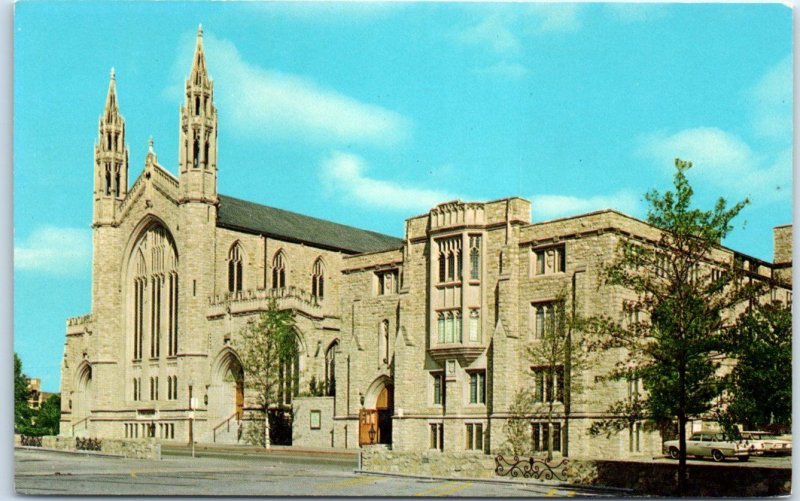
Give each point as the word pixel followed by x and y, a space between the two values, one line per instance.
pixel 568 364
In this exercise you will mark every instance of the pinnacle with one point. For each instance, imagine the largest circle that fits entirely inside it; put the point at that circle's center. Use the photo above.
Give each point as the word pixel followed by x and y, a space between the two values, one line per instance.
pixel 150 145
pixel 200 30
pixel 112 74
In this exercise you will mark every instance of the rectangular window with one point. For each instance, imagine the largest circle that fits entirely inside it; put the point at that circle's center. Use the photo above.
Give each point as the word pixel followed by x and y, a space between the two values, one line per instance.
pixel 475 257
pixel 437 436
pixel 474 325
pixel 549 260
pixel 477 387
pixel 548 383
pixel 541 436
pixel 474 436
pixel 387 282
pixel 543 319
pixel 438 388
pixel 633 437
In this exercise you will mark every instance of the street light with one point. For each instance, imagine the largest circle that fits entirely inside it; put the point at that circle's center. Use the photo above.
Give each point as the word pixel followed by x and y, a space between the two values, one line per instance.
pixel 372 433
pixel 568 364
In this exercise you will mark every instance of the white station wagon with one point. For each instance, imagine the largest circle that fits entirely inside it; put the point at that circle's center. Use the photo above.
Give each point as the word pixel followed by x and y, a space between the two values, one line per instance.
pixel 710 445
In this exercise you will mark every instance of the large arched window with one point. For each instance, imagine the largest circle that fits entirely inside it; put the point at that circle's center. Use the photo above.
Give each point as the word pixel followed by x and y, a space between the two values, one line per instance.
pixel 289 377
pixel 330 369
pixel 235 268
pixel 278 271
pixel 153 285
pixel 318 279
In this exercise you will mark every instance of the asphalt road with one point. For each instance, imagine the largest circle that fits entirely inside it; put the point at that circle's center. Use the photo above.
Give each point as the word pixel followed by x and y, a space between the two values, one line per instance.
pixel 53 473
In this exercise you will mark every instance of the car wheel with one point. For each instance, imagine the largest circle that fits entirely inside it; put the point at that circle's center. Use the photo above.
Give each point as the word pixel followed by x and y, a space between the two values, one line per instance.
pixel 717 455
pixel 674 453
pixel 743 458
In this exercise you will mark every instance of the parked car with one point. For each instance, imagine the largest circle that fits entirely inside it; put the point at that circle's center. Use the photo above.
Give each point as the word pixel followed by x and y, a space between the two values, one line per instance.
pixel 711 445
pixel 771 444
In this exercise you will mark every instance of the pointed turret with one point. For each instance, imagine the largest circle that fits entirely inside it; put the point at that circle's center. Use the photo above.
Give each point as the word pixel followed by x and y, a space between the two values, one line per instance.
pixel 198 134
pixel 110 158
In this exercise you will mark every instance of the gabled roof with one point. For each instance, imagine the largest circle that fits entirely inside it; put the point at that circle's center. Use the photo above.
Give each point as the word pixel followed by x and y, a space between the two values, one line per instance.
pixel 250 217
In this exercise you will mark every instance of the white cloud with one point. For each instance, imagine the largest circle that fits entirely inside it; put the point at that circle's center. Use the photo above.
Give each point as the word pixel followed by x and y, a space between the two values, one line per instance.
pixel 772 99
pixel 267 102
pixel 551 206
pixel 346 174
pixel 724 160
pixel 640 12
pixel 505 69
pixel 503 30
pixel 493 31
pixel 55 251
pixel 554 17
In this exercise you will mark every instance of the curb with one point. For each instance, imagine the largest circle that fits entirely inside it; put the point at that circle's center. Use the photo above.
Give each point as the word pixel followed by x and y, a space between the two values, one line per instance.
pixel 68 451
pixel 262 450
pixel 491 480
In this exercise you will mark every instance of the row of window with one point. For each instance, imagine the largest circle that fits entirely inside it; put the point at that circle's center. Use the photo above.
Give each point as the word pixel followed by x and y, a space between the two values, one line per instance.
pixel 172 388
pixel 236 272
pixel 451 260
pixel 148 430
pixel 477 387
pixel 548 385
pixel 160 285
pixel 449 326
pixel 540 436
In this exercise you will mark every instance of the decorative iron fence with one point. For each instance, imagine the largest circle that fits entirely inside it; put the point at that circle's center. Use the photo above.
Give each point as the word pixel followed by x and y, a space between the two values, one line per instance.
pixel 537 469
pixel 88 444
pixel 31 441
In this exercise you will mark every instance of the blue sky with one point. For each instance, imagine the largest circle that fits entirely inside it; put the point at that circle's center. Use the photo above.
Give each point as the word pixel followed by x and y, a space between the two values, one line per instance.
pixel 367 114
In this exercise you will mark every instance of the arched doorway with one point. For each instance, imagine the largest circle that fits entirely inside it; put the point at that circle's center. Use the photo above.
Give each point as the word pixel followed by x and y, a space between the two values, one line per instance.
pixel 226 397
pixel 375 419
pixel 81 405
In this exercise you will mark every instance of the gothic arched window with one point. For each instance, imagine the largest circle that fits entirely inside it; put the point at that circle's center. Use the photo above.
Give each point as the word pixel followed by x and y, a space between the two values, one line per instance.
pixel 154 293
pixel 278 271
pixel 235 268
pixel 318 280
pixel 330 369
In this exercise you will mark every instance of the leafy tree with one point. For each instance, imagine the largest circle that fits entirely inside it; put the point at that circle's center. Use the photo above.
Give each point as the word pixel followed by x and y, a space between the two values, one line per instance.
pixel 267 345
pixel 518 426
pixel 760 385
pixel 682 303
pixel 22 413
pixel 548 353
pixel 49 416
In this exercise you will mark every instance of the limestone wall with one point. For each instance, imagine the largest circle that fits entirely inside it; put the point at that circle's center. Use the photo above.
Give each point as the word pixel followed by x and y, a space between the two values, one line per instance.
pixel 139 449
pixel 308 431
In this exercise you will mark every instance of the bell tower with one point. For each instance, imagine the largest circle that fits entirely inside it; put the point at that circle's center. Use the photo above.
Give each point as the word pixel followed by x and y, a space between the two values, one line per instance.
pixel 110 160
pixel 198 133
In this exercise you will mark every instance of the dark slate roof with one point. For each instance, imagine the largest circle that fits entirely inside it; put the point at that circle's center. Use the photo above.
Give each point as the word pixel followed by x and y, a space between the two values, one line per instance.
pixel 241 215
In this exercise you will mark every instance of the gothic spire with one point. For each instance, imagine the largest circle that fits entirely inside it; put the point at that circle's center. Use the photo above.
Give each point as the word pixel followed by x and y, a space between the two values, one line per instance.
pixel 198 75
pixel 112 108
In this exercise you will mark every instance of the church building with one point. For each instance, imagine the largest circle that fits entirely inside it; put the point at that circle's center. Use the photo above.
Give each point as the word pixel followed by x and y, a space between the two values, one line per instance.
pixel 418 342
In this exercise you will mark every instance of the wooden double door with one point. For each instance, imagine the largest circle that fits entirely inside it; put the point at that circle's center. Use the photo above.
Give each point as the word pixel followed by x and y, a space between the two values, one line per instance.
pixel 375 425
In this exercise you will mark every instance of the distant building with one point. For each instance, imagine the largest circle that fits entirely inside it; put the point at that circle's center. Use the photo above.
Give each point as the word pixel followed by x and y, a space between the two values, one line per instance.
pixel 418 341
pixel 37 397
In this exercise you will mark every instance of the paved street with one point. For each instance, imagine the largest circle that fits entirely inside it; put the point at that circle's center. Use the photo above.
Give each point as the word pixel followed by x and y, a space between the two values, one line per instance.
pixel 43 472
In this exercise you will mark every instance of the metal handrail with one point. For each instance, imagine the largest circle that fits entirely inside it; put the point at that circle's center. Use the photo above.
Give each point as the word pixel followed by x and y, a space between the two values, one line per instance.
pixel 227 422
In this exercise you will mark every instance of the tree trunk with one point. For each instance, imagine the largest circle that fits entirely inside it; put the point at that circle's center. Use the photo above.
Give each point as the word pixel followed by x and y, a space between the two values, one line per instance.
pixel 267 442
pixel 682 470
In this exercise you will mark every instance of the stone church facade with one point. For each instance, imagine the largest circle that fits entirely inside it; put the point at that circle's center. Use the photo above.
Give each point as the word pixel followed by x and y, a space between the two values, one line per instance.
pixel 417 342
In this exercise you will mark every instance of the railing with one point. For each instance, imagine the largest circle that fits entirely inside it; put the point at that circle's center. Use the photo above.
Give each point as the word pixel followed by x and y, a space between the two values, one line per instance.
pixel 166 176
pixel 31 441
pixel 130 196
pixel 257 299
pixel 537 469
pixel 81 320
pixel 88 444
pixel 227 424
pixel 84 422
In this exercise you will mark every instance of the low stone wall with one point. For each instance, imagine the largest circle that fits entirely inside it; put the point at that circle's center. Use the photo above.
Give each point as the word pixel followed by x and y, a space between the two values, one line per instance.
pixel 140 449
pixel 434 463
pixel 639 477
pixel 660 478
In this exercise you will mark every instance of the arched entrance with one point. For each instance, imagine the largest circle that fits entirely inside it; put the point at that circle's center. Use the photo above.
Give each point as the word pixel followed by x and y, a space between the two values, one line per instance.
pixel 81 405
pixel 375 419
pixel 226 397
